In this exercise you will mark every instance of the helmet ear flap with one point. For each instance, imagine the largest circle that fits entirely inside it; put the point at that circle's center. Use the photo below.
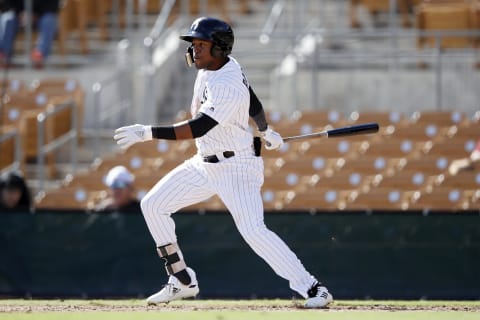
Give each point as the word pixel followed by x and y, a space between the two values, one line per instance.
pixel 217 52
pixel 220 47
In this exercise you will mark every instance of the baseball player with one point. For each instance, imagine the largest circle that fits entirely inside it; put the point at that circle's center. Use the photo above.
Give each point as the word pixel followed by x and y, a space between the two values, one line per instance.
pixel 227 164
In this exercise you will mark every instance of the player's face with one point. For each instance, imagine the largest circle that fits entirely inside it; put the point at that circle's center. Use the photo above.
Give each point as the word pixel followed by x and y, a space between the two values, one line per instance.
pixel 202 54
pixel 121 196
pixel 11 197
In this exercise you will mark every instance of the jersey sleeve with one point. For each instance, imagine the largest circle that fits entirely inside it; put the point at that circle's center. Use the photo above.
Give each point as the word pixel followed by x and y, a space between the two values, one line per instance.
pixel 221 102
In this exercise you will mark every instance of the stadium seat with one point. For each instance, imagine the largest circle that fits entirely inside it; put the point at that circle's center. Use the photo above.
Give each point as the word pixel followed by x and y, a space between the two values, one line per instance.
pixel 383 118
pixel 444 16
pixel 417 132
pixel 404 180
pixel 289 151
pixel 95 13
pixel 272 165
pixel 274 200
pixel 379 199
pixel 293 128
pixel 447 148
pixel 467 179
pixel 391 148
pixel 319 118
pixel 285 181
pixel 376 6
pixel 29 133
pixel 332 148
pixel 135 163
pixel 61 90
pixel 12 86
pixel 446 199
pixel 462 133
pixel 72 20
pixel 90 181
pixel 75 198
pixel 341 181
pixel 427 164
pixel 439 118
pixel 307 165
pixel 321 199
pixel 368 165
pixel 8 136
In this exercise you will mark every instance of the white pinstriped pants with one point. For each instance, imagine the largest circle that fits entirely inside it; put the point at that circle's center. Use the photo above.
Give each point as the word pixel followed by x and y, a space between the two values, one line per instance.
pixel 237 181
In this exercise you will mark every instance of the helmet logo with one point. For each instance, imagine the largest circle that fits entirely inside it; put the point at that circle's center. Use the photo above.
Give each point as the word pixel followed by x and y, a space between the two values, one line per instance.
pixel 194 25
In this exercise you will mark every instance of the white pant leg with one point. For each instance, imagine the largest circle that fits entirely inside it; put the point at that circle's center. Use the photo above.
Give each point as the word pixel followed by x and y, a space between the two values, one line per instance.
pixel 238 185
pixel 183 186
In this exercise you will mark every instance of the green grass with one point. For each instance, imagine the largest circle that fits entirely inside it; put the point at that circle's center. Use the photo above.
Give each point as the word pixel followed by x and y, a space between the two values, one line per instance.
pixel 236 309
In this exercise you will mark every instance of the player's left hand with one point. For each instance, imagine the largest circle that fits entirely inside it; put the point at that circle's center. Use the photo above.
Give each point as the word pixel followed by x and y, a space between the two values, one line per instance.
pixel 273 140
pixel 129 135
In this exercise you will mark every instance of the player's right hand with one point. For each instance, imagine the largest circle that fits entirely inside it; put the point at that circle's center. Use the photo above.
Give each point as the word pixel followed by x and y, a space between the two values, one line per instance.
pixel 273 140
pixel 129 135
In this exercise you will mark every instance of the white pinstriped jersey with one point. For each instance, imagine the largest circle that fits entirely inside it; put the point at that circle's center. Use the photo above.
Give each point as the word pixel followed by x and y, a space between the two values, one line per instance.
pixel 223 95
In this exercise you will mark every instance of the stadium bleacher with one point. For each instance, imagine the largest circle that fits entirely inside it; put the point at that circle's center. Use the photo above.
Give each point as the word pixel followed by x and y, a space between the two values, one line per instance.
pixel 22 103
pixel 404 166
pixel 378 176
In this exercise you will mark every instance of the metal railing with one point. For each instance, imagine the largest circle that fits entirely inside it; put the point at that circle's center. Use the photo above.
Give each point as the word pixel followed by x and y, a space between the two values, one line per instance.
pixel 113 110
pixel 17 153
pixel 114 96
pixel 161 38
pixel 157 29
pixel 379 51
pixel 272 21
pixel 350 52
pixel 44 148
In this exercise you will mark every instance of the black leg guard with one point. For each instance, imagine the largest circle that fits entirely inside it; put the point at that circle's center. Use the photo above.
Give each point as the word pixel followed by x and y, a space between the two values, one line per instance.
pixel 174 263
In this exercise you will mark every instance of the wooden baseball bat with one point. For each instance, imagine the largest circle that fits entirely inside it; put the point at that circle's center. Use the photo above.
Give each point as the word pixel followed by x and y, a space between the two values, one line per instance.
pixel 339 132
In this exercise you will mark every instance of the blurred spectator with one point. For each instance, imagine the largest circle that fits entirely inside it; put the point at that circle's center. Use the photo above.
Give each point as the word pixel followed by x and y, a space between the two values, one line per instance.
pixel 468 163
pixel 14 193
pixel 122 197
pixel 45 19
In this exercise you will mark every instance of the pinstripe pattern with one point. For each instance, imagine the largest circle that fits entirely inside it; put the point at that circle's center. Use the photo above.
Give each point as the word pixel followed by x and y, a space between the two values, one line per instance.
pixel 183 186
pixel 236 180
pixel 224 96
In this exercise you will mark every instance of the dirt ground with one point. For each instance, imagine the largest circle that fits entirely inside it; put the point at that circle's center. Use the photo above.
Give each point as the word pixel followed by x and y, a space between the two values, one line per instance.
pixel 37 307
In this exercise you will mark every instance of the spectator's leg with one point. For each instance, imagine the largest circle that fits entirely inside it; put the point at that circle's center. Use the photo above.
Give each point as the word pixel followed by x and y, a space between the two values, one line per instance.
pixel 47 27
pixel 8 31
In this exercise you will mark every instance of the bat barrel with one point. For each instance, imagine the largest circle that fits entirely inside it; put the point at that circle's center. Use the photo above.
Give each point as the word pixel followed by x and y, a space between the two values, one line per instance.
pixel 354 130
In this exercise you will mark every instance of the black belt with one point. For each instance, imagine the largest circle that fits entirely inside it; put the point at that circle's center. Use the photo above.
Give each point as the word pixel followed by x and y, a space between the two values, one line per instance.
pixel 214 158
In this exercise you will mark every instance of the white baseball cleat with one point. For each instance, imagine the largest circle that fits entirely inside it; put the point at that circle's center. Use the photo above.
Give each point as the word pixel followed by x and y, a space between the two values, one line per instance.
pixel 175 290
pixel 318 297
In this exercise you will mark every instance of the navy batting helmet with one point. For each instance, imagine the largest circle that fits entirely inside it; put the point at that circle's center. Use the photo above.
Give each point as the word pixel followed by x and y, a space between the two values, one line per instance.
pixel 214 30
